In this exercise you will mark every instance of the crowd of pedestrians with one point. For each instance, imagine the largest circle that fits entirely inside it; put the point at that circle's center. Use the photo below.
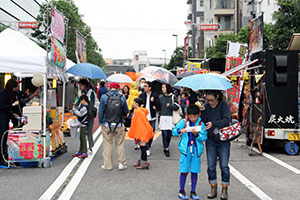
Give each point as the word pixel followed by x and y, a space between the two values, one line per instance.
pixel 139 108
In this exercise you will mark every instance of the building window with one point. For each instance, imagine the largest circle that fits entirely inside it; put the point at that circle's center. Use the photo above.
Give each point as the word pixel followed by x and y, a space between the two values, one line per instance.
pixel 201 3
pixel 225 22
pixel 224 4
pixel 210 4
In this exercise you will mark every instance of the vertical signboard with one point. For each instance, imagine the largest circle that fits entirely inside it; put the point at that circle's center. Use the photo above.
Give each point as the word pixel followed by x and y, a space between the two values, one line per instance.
pixel 80 48
pixel 256 27
pixel 58 25
pixel 236 54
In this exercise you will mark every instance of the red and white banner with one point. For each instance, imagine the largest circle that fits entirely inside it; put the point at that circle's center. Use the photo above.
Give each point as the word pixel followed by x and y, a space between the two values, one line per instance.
pixel 58 25
pixel 209 27
pixel 27 24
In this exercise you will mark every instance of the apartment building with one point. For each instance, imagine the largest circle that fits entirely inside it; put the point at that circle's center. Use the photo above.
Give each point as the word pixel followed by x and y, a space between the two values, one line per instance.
pixel 230 15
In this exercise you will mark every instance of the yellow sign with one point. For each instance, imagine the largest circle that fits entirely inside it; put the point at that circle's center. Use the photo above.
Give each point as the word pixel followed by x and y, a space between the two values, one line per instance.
pixel 293 136
pixel 194 67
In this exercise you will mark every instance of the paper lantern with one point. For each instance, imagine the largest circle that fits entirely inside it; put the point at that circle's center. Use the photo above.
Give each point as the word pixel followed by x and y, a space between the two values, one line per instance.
pixel 37 80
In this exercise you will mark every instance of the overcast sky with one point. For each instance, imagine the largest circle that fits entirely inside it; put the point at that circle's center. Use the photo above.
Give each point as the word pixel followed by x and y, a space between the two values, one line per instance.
pixel 122 26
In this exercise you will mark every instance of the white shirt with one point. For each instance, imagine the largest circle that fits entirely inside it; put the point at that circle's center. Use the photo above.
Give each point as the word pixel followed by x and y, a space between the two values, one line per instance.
pixel 148 107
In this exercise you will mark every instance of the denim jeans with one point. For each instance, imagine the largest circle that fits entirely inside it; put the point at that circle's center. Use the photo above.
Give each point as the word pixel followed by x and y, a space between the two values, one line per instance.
pixel 152 123
pixel 166 137
pixel 216 149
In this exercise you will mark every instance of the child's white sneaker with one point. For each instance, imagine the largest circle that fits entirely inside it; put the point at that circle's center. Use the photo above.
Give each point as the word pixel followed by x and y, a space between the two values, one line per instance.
pixel 148 152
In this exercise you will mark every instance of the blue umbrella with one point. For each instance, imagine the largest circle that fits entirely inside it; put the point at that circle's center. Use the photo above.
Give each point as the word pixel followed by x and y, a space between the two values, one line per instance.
pixel 87 70
pixel 207 81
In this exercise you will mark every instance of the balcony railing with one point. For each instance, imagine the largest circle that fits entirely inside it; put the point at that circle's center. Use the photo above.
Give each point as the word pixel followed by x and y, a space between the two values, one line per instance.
pixel 222 4
pixel 227 26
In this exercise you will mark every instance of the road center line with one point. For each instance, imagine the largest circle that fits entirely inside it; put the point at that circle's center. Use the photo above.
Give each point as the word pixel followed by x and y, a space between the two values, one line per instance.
pixel 71 187
pixel 280 162
pixel 258 192
pixel 50 192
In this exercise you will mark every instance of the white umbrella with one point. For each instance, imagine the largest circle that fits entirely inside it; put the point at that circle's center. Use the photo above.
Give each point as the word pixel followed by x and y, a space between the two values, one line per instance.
pixel 119 78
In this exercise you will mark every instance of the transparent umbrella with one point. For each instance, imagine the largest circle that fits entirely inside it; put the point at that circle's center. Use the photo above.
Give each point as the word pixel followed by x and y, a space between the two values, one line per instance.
pixel 160 74
pixel 119 78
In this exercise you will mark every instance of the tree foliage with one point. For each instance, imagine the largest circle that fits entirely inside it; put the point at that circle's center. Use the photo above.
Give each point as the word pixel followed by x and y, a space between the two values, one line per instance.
pixel 70 11
pixel 286 23
pixel 177 58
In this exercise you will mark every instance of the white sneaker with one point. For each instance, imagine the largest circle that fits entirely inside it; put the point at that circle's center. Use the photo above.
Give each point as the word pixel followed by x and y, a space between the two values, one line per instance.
pixel 148 152
pixel 104 168
pixel 137 146
pixel 122 167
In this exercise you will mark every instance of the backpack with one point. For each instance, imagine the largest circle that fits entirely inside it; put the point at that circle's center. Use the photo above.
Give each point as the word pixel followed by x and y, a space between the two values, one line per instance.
pixel 114 110
pixel 92 109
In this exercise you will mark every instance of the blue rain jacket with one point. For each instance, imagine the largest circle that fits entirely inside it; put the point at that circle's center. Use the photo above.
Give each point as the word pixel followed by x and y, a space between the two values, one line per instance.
pixel 190 162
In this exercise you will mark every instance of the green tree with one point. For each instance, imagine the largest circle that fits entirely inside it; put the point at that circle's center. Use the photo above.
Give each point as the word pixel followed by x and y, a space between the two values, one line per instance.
pixel 176 58
pixel 70 11
pixel 286 23
pixel 219 49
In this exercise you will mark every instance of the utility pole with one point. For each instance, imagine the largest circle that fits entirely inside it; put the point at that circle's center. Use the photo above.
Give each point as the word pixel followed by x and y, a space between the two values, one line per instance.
pixel 175 35
pixel 194 28
pixel 164 57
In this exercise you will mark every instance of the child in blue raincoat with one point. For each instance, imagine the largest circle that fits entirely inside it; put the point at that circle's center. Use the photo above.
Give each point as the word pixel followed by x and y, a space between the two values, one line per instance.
pixel 191 148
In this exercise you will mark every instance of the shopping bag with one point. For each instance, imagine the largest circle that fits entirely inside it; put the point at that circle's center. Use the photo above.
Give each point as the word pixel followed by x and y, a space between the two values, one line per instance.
pixel 228 133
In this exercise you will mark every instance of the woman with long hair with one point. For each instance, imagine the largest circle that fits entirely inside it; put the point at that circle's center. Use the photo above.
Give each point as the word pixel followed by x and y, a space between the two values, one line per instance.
pixel 7 100
pixel 125 91
pixel 216 114
pixel 166 115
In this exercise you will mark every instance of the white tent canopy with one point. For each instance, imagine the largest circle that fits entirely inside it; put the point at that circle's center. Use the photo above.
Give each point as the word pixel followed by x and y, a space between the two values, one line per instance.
pixel 19 54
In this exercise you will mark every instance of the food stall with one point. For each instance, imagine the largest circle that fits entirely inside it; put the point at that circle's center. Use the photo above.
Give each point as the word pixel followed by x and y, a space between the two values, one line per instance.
pixel 19 54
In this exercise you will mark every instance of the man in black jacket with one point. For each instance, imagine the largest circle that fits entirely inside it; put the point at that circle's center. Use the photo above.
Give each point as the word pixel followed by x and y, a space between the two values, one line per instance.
pixel 152 103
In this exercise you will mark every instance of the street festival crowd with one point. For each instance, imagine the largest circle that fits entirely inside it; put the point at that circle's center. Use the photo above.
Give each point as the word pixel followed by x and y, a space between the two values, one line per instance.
pixel 136 110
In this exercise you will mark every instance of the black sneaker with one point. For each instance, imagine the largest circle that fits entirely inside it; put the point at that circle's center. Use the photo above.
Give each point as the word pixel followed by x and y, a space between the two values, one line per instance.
pixel 194 195
pixel 167 152
pixel 181 195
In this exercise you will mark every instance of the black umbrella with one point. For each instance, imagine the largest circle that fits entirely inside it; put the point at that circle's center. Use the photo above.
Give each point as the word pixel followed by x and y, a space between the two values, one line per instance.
pixel 185 74
pixel 130 69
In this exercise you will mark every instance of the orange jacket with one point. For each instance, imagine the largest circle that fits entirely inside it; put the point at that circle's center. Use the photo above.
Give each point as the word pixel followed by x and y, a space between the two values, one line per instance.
pixel 140 127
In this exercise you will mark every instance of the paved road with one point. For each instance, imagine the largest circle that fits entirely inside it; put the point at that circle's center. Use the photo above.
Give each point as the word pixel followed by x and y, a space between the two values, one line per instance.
pixel 255 177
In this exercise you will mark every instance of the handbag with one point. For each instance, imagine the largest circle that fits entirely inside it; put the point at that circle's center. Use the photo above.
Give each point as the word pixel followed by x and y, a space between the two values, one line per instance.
pixel 176 115
pixel 228 133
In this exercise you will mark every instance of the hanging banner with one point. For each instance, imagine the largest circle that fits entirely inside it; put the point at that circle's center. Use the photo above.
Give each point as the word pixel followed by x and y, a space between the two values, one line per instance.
pixel 80 50
pixel 57 137
pixel 58 25
pixel 58 53
pixel 236 54
pixel 256 35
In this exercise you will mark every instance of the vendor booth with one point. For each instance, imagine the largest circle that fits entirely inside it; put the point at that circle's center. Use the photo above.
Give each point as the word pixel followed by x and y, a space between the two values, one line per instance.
pixel 33 142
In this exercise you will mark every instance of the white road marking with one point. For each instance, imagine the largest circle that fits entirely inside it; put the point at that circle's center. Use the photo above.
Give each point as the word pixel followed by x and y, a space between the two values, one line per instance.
pixel 50 192
pixel 280 162
pixel 258 192
pixel 69 190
